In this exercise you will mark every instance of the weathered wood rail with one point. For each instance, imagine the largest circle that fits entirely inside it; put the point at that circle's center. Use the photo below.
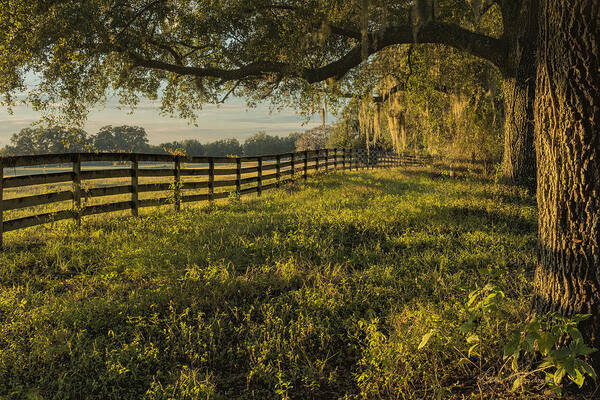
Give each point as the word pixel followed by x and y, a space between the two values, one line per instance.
pixel 237 172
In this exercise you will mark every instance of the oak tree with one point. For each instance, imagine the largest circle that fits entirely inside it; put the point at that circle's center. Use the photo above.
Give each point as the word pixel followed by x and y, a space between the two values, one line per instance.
pixel 193 52
pixel 567 112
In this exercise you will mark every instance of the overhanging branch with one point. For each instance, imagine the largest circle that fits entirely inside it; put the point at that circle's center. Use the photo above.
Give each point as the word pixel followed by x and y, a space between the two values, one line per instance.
pixel 491 49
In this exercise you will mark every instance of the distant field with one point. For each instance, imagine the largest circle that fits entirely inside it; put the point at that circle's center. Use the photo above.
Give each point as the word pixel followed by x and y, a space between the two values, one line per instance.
pixel 314 291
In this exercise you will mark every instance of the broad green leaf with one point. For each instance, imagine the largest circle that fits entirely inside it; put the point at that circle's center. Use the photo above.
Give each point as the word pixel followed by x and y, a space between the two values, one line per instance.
pixel 511 348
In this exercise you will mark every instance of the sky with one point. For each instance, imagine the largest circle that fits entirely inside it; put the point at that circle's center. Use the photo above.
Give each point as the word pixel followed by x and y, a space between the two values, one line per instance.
pixel 230 120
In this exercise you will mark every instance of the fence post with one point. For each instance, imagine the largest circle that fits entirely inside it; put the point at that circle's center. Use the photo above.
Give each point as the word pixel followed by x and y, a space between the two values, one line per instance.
pixel 360 155
pixel 326 160
pixel 305 165
pixel 238 175
pixel 177 183
pixel 344 151
pixel 1 203
pixel 350 158
pixel 335 158
pixel 135 201
pixel 278 170
pixel 260 170
pixel 211 179
pixel 317 161
pixel 293 169
pixel 77 187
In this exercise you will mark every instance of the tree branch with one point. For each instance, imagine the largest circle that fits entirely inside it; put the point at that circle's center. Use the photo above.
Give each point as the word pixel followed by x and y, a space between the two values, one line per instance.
pixel 486 47
pixel 137 15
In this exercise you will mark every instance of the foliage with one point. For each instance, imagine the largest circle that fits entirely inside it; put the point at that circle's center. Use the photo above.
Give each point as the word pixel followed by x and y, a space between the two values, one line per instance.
pixel 44 141
pixel 135 139
pixel 120 138
pixel 313 139
pixel 189 53
pixel 546 335
pixel 303 53
pixel 345 133
pixel 261 143
pixel 324 292
pixel 431 99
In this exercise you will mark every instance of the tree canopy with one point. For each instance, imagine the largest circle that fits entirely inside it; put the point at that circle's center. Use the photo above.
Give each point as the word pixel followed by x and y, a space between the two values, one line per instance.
pixel 193 52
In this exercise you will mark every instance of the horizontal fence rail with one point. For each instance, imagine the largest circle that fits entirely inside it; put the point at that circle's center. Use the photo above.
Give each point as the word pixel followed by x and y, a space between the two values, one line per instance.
pixel 83 170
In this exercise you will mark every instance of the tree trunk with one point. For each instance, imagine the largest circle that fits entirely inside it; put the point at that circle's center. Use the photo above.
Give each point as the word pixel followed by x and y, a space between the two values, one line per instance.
pixel 520 31
pixel 567 113
pixel 518 163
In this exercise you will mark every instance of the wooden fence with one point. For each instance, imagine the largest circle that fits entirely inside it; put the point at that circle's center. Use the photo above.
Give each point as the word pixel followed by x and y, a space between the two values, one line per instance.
pixel 235 173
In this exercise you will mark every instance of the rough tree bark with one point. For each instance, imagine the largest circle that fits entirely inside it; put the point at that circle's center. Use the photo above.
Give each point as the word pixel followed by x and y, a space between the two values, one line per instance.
pixel 520 33
pixel 567 128
pixel 518 162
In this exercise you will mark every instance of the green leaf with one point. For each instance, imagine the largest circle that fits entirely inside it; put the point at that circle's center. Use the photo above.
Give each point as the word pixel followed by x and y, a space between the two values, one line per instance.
pixel 589 370
pixel 578 378
pixel 514 364
pixel 559 375
pixel 559 354
pixel 548 363
pixel 517 383
pixel 511 348
pixel 472 350
pixel 425 339
pixel 473 339
pixel 472 297
pixel 546 342
pixel 580 317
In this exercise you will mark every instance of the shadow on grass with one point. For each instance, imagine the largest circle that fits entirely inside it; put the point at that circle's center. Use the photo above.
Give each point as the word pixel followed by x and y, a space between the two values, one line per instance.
pixel 238 316
pixel 509 195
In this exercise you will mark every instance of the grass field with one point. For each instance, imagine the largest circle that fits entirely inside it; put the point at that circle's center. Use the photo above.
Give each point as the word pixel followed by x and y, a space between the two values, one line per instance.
pixel 314 291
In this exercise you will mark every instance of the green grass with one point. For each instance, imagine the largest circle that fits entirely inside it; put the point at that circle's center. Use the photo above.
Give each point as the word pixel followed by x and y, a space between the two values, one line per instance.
pixel 323 292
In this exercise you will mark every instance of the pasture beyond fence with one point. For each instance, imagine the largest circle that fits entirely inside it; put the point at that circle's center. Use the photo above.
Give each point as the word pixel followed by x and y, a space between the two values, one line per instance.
pixel 72 182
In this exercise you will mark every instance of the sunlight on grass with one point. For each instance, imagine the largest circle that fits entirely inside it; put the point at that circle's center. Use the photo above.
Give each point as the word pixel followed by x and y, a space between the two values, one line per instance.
pixel 323 292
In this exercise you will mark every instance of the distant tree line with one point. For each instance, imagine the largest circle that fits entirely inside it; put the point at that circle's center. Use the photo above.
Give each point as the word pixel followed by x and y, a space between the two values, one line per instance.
pixel 135 139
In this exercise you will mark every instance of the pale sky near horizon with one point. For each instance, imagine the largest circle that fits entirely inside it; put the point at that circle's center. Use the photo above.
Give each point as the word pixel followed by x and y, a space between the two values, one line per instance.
pixel 230 120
